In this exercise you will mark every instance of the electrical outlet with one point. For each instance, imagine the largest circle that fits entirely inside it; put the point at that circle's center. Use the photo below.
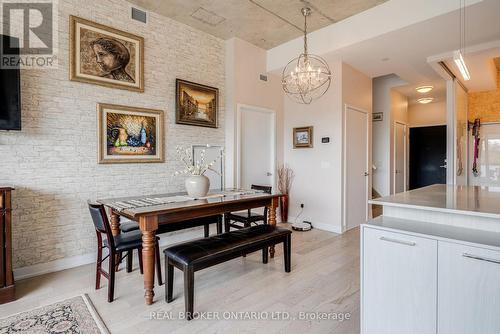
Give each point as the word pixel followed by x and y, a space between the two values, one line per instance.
pixel 301 205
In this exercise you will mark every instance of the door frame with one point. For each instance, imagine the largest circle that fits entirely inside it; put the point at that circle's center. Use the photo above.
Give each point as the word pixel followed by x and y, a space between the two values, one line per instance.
pixel 405 145
pixel 239 108
pixel 344 163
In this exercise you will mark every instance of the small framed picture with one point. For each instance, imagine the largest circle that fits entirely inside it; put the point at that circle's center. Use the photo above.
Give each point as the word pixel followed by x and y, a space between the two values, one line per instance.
pixel 378 116
pixel 303 137
pixel 129 134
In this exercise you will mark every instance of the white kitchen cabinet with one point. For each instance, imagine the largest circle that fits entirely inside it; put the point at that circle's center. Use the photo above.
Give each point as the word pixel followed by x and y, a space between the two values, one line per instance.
pixel 468 289
pixel 399 282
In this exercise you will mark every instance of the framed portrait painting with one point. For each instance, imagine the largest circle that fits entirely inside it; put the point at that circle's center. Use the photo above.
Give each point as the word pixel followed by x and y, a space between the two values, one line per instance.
pixel 196 104
pixel 105 56
pixel 303 137
pixel 130 135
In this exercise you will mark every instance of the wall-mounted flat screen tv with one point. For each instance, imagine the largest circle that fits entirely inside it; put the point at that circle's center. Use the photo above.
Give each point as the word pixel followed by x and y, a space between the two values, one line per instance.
pixel 10 86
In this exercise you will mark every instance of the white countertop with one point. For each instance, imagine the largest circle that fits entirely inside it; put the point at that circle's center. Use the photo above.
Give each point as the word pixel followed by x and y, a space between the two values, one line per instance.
pixel 468 200
pixel 437 231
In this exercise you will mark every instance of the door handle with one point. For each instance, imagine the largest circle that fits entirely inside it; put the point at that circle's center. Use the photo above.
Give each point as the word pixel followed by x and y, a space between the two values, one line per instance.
pixel 480 258
pixel 269 174
pixel 367 174
pixel 444 166
pixel 402 242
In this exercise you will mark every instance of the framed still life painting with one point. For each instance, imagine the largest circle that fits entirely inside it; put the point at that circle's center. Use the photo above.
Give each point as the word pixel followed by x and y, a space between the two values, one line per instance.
pixel 105 56
pixel 196 104
pixel 130 135
pixel 303 137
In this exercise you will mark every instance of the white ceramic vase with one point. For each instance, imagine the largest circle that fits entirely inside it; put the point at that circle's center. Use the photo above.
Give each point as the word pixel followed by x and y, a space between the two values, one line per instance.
pixel 197 186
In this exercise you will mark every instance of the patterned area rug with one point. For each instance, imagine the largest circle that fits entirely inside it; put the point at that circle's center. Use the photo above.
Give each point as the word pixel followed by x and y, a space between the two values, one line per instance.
pixel 74 315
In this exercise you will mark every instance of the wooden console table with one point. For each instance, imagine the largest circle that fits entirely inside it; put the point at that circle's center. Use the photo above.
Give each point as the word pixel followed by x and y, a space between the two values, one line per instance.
pixel 7 288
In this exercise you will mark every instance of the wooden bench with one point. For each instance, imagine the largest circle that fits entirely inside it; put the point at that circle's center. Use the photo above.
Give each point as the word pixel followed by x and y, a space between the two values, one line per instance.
pixel 198 254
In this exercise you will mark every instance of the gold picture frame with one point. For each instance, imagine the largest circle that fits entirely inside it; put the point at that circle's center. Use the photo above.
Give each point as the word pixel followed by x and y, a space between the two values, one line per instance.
pixel 105 56
pixel 303 137
pixel 130 134
pixel 196 104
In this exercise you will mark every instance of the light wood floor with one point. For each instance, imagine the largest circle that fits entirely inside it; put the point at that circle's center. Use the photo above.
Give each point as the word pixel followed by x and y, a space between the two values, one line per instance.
pixel 324 278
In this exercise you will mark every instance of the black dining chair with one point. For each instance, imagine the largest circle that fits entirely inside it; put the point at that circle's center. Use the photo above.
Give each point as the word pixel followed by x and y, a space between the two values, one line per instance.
pixel 120 244
pixel 240 220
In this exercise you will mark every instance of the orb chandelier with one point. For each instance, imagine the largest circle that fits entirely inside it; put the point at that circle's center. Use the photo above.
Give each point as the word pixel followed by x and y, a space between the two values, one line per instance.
pixel 307 77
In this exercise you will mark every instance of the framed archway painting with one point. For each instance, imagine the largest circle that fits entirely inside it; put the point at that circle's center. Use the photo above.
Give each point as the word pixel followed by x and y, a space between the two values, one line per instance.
pixel 130 135
pixel 196 104
pixel 105 56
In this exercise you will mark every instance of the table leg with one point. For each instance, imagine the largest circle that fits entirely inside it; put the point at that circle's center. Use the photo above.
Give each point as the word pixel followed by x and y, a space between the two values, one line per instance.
pixel 272 220
pixel 148 226
pixel 115 230
pixel 115 223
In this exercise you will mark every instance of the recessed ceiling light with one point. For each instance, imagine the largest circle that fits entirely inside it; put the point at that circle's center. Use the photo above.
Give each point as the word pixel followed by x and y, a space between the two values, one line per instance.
pixel 425 100
pixel 424 89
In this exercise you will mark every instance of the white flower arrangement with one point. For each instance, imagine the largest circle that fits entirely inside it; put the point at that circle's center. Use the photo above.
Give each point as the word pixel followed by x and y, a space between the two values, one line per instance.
pixel 199 167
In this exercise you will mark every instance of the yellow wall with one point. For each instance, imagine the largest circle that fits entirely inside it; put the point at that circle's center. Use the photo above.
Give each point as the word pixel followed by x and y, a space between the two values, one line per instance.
pixel 485 105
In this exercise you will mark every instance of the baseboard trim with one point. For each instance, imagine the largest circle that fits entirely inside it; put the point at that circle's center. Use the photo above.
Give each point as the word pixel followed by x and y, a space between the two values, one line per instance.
pixel 319 226
pixel 328 227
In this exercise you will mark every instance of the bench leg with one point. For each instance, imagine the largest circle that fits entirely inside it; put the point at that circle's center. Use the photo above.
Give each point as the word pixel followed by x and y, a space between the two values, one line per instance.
pixel 265 254
pixel 206 228
pixel 189 291
pixel 169 287
pixel 287 250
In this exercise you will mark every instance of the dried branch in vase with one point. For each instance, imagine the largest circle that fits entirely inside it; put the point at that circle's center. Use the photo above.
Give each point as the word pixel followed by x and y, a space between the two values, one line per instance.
pixel 198 167
pixel 285 179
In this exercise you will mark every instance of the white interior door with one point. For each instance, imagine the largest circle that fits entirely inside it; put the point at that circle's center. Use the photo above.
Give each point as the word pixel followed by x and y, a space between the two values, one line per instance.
pixel 256 147
pixel 356 167
pixel 399 157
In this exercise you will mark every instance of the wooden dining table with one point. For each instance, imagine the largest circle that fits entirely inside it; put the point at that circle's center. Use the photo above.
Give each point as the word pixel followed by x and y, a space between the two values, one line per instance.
pixel 151 216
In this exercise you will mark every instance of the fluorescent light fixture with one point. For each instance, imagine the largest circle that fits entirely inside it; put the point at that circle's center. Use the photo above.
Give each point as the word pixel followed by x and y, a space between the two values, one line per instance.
pixel 424 89
pixel 425 100
pixel 459 61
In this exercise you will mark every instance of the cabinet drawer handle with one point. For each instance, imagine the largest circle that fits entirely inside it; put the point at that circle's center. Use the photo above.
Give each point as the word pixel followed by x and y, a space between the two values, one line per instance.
pixel 480 258
pixel 407 243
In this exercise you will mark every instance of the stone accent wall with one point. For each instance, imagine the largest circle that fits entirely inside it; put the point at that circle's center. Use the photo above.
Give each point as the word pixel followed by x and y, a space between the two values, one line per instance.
pixel 52 163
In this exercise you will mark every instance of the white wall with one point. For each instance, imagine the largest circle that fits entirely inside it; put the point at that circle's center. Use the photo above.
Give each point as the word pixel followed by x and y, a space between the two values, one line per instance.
pixel 52 162
pixel 399 113
pixel 318 170
pixel 245 62
pixel 382 130
pixel 430 114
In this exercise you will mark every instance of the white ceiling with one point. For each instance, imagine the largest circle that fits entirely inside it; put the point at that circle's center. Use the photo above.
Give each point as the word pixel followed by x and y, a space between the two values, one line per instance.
pixel 404 52
pixel 265 23
pixel 482 69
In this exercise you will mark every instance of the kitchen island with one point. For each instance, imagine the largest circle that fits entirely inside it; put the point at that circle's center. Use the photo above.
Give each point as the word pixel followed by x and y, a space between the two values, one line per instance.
pixel 431 262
